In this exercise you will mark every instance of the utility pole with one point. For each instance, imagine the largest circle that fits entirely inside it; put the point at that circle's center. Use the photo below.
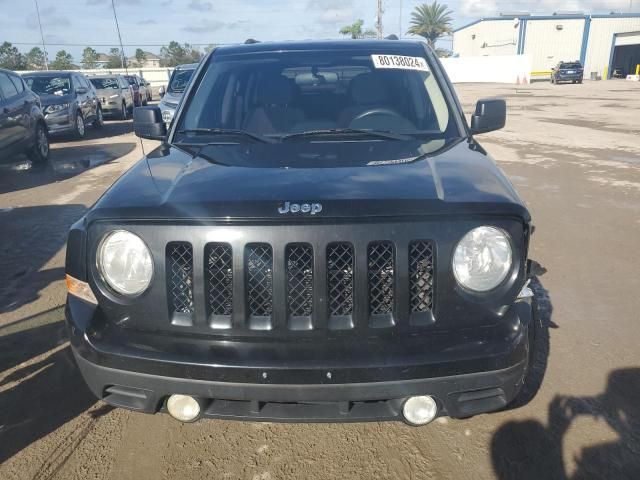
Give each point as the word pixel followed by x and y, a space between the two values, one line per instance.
pixel 379 19
pixel 115 15
pixel 44 47
pixel 400 22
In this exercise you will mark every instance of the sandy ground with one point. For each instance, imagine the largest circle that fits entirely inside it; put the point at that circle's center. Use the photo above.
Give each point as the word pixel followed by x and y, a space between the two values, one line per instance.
pixel 572 151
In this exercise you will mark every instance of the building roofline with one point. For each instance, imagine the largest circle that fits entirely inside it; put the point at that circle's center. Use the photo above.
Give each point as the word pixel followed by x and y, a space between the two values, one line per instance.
pixel 529 18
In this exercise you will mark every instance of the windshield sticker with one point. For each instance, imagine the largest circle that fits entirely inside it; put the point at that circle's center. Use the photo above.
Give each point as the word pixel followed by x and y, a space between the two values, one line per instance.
pixel 400 62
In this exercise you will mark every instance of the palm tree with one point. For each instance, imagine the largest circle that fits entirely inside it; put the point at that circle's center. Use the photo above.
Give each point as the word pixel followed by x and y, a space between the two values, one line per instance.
pixel 431 22
pixel 355 30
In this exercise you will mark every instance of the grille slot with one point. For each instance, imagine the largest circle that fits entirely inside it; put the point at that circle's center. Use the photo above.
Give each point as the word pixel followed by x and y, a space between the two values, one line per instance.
pixel 219 278
pixel 180 283
pixel 380 265
pixel 421 282
pixel 340 265
pixel 259 285
pixel 299 258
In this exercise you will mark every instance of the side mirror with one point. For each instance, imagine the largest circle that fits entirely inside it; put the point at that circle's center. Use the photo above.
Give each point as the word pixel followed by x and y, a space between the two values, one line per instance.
pixel 81 90
pixel 490 115
pixel 148 123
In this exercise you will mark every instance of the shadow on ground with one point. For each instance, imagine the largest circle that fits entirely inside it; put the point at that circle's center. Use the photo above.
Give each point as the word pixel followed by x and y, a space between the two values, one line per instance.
pixel 31 236
pixel 65 162
pixel 42 388
pixel 528 450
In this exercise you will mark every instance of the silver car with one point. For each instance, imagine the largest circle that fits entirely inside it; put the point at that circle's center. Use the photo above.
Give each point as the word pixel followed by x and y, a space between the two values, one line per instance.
pixel 115 95
pixel 180 78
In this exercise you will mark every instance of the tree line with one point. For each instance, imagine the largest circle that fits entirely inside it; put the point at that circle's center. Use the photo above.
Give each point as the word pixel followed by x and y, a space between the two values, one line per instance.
pixel 428 21
pixel 170 55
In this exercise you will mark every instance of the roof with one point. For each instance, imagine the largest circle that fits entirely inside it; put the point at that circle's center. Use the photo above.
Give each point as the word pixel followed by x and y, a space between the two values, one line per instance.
pixel 351 44
pixel 46 73
pixel 529 18
pixel 186 66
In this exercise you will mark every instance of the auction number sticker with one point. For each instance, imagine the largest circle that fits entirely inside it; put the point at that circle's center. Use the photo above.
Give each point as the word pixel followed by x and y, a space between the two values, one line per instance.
pixel 400 61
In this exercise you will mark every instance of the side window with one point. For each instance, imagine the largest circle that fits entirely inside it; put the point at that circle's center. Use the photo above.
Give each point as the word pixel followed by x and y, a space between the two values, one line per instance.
pixel 17 82
pixel 9 90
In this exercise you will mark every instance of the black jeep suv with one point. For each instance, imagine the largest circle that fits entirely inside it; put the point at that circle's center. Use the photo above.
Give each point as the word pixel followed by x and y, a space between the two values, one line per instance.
pixel 318 238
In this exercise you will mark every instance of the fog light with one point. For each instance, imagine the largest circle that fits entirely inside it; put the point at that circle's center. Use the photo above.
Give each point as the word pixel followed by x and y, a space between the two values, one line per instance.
pixel 183 408
pixel 420 410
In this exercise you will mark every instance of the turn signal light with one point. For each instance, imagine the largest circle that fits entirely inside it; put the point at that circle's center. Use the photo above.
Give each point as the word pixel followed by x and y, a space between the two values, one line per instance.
pixel 81 290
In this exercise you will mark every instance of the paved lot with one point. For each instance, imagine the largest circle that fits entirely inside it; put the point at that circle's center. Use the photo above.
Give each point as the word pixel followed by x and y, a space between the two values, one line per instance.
pixel 573 152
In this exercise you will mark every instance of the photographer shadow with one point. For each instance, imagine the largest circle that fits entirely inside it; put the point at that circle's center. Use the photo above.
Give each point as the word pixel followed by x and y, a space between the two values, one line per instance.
pixel 530 450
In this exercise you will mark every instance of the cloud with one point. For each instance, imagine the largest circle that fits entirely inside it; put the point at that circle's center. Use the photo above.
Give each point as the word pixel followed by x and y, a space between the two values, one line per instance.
pixel 148 21
pixel 49 18
pixel 204 27
pixel 200 5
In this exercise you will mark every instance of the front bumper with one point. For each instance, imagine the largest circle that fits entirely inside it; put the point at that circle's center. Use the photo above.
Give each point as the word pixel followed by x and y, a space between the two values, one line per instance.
pixel 466 378
pixel 59 122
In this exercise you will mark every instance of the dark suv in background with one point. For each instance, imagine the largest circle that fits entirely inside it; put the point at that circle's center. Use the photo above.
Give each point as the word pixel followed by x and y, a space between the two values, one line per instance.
pixel 22 125
pixel 567 72
pixel 69 101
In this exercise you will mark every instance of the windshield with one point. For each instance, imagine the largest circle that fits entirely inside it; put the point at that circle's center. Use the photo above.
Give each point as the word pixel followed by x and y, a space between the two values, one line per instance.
pixel 570 65
pixel 179 80
pixel 54 85
pixel 104 83
pixel 279 94
pixel 131 80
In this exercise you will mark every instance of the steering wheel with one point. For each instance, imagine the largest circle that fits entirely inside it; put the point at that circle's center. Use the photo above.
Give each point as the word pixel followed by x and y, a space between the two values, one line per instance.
pixel 377 111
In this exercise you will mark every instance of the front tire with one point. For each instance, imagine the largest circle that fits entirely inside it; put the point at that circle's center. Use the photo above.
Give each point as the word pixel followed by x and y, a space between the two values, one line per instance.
pixel 39 152
pixel 99 121
pixel 79 128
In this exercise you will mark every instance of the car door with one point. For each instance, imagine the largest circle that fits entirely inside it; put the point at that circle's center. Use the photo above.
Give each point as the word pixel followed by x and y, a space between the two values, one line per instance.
pixel 23 104
pixel 81 93
pixel 11 116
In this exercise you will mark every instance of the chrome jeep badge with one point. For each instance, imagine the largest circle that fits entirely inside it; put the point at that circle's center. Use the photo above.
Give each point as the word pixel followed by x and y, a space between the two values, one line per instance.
pixel 311 208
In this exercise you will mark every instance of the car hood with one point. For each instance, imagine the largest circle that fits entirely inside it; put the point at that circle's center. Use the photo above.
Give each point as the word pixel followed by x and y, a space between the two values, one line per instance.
pixel 171 183
pixel 47 100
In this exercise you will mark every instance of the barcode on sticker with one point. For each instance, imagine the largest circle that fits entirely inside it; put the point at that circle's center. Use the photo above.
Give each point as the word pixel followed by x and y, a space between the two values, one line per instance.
pixel 400 61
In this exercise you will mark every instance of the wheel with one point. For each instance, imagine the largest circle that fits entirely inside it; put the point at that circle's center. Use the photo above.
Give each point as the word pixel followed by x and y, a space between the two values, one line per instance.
pixel 79 127
pixel 579 82
pixel 144 102
pixel 39 153
pixel 124 112
pixel 552 80
pixel 99 121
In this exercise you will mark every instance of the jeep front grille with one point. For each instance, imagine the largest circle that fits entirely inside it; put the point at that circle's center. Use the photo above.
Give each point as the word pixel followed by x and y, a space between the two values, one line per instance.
pixel 219 284
pixel 259 285
pixel 299 262
pixel 299 286
pixel 180 282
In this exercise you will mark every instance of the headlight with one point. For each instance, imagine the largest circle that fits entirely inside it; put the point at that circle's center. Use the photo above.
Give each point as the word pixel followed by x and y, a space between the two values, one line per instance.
pixel 482 259
pixel 56 108
pixel 114 96
pixel 125 263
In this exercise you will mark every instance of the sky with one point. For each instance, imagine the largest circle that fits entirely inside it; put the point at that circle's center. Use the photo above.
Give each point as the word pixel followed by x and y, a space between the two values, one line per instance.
pixel 152 23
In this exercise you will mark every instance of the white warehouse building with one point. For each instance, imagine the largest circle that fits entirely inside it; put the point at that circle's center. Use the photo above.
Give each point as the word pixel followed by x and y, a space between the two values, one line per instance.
pixel 603 43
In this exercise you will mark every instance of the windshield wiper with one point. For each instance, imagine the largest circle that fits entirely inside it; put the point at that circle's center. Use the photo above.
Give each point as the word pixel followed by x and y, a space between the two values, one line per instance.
pixel 347 132
pixel 226 131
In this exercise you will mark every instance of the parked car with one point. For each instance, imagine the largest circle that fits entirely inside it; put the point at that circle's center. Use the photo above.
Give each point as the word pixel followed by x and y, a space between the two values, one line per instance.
pixel 320 237
pixel 180 78
pixel 148 89
pixel 69 101
pixel 114 93
pixel 22 125
pixel 140 97
pixel 567 72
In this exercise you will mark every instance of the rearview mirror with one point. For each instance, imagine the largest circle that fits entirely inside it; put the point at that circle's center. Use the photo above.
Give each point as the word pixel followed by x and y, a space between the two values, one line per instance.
pixel 490 115
pixel 148 123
